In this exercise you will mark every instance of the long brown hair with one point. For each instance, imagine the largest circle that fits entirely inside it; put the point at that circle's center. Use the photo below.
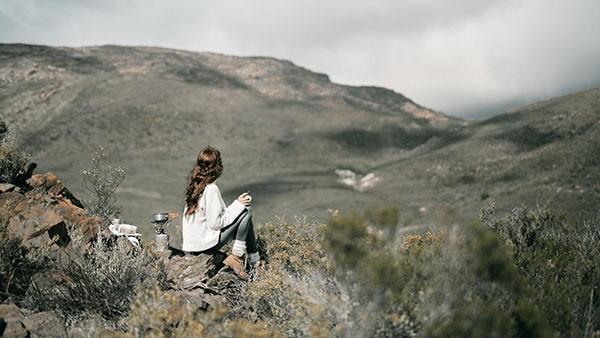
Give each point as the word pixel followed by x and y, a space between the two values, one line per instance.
pixel 207 169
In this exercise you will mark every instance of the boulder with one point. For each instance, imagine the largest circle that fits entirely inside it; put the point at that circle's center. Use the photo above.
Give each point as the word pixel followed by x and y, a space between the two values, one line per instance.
pixel 6 187
pixel 192 271
pixel 44 211
pixel 45 324
pixel 53 186
pixel 198 301
pixel 11 321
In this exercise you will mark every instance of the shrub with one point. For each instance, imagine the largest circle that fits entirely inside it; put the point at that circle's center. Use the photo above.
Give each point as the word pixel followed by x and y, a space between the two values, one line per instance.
pixel 101 181
pixel 297 294
pixel 457 282
pixel 560 263
pixel 156 313
pixel 379 274
pixel 97 279
pixel 477 291
pixel 13 161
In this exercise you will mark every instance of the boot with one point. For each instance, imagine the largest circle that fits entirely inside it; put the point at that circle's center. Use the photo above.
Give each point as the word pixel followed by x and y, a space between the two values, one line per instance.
pixel 237 264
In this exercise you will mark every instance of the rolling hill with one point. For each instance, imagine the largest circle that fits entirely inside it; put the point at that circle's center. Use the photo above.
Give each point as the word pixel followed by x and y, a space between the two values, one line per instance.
pixel 293 138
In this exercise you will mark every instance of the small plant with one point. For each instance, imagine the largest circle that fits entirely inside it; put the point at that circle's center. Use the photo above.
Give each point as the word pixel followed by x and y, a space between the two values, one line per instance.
pixel 101 181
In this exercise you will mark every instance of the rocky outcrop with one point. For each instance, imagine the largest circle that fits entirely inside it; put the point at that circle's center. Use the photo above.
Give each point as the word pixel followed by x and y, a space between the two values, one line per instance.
pixel 44 210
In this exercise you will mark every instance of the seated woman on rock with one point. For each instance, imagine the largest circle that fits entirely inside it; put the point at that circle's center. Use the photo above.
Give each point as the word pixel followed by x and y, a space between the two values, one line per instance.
pixel 208 223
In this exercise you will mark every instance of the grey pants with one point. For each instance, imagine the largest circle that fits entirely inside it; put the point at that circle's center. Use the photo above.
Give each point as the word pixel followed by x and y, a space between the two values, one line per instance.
pixel 241 229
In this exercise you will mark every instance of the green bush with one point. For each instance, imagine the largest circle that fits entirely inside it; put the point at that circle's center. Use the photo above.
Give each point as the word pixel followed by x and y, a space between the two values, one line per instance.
pixel 460 281
pixel 560 263
pixel 378 274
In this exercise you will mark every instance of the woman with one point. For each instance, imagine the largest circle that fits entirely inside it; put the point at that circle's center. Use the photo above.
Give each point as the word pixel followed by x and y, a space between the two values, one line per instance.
pixel 208 224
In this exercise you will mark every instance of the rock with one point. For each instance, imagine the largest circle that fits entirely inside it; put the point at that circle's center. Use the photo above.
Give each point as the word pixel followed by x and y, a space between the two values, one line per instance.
pixel 197 301
pixel 6 187
pixel 51 184
pixel 45 324
pixel 41 324
pixel 44 211
pixel 356 181
pixel 191 271
pixel 22 178
pixel 10 312
pixel 12 318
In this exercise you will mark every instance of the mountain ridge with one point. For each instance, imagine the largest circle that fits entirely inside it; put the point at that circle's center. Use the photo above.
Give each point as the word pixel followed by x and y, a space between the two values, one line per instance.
pixel 284 132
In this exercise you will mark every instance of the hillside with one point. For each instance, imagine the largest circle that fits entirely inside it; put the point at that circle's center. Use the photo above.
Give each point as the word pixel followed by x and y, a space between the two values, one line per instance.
pixel 285 130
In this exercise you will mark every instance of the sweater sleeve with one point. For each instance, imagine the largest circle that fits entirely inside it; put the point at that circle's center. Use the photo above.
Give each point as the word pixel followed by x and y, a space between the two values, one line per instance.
pixel 218 217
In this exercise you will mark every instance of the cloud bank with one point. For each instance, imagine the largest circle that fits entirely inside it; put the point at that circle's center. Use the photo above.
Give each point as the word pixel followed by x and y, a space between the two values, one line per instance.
pixel 463 57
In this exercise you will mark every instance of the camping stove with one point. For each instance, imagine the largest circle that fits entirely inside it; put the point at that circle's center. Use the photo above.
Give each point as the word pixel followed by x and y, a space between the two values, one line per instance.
pixel 161 221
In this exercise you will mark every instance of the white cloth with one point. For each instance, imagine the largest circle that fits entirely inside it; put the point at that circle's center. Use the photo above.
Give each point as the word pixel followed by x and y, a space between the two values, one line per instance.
pixel 201 229
pixel 127 230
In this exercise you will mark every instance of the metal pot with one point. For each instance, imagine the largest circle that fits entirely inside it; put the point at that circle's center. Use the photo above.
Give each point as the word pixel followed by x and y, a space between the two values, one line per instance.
pixel 160 217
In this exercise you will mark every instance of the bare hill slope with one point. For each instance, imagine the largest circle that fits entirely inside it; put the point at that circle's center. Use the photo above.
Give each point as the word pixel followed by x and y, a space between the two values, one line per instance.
pixel 284 131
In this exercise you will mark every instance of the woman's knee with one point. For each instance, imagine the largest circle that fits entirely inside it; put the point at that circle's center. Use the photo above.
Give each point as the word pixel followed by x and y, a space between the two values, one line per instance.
pixel 247 216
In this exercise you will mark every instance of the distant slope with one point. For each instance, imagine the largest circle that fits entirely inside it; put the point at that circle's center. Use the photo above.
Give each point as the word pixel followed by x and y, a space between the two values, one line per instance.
pixel 283 131
pixel 545 153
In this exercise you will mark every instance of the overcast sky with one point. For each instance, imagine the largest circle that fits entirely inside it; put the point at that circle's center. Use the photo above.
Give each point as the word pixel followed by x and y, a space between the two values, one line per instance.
pixel 463 57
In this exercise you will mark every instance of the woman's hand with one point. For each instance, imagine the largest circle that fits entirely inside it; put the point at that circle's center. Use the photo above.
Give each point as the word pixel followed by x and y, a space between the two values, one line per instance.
pixel 245 199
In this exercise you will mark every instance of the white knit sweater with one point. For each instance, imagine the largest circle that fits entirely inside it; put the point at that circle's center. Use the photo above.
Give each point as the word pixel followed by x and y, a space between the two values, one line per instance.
pixel 201 229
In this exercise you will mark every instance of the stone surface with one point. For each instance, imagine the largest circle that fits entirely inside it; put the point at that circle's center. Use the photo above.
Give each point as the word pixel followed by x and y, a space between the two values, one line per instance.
pixel 191 271
pixel 6 187
pixel 44 210
pixel 45 324
pixel 12 318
